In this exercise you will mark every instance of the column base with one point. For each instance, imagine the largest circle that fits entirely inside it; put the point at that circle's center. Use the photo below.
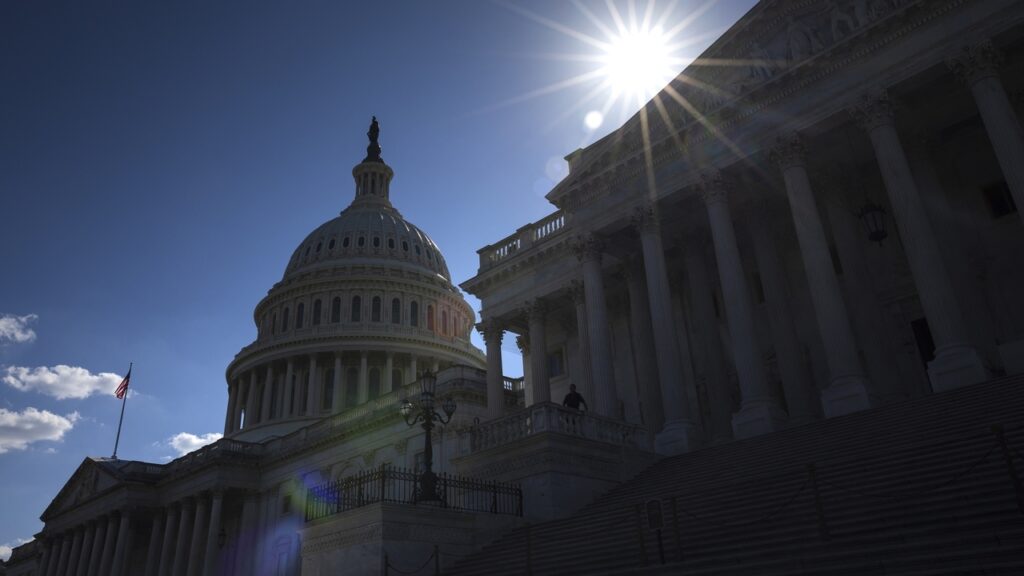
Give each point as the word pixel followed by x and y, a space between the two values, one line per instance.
pixel 955 367
pixel 845 396
pixel 677 437
pixel 757 418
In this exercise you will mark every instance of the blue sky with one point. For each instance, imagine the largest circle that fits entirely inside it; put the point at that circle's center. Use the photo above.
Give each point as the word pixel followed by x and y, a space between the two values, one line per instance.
pixel 159 161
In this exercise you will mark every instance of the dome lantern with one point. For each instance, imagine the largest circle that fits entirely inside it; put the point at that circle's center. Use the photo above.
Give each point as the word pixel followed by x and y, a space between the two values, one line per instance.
pixel 372 175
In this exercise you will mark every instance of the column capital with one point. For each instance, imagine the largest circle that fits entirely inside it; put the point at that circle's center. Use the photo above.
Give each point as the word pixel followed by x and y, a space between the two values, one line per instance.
pixel 873 109
pixel 491 330
pixel 587 247
pixel 789 151
pixel 645 218
pixel 975 62
pixel 713 187
pixel 523 342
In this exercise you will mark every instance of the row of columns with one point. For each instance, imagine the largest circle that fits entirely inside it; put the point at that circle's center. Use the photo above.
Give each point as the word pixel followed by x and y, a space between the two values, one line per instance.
pixel 97 548
pixel 957 362
pixel 185 537
pixel 249 396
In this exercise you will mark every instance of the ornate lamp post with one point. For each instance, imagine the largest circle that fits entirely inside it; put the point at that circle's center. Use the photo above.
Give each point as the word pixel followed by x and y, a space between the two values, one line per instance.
pixel 423 411
pixel 873 217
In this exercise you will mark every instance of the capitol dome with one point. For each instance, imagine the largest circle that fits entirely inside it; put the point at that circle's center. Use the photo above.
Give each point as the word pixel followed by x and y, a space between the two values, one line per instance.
pixel 365 306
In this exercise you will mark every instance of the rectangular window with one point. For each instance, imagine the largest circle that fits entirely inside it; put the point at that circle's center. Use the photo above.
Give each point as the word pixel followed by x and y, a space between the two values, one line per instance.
pixel 556 364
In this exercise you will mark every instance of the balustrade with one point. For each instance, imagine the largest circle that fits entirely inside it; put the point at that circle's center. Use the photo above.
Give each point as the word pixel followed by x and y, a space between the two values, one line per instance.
pixel 550 417
pixel 524 238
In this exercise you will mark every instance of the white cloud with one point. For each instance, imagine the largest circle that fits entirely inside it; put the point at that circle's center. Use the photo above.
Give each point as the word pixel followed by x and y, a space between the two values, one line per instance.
pixel 15 328
pixel 6 549
pixel 61 381
pixel 185 442
pixel 19 429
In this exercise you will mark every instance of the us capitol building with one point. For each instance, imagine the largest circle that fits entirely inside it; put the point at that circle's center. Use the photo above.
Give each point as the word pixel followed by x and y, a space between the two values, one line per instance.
pixel 825 227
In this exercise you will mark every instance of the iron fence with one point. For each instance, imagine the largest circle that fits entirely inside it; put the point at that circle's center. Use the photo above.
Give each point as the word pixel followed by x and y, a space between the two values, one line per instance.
pixel 401 486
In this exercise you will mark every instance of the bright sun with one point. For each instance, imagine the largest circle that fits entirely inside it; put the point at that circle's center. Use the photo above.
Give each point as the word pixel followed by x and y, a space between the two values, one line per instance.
pixel 638 63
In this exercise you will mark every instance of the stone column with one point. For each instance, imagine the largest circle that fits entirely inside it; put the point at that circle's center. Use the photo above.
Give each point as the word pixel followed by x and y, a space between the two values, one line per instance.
pixel 44 562
pixel 289 389
pixel 435 366
pixel 797 382
pixel 113 535
pixel 251 411
pixel 492 332
pixel 584 384
pixel 956 362
pixel 389 365
pixel 364 378
pixel 184 538
pixel 759 412
pixel 123 547
pixel 644 359
pixel 413 370
pixel 702 299
pixel 678 434
pixel 339 389
pixel 540 388
pixel 313 391
pixel 82 562
pixel 61 564
pixel 523 343
pixel 199 538
pixel 978 67
pixel 848 389
pixel 240 404
pixel 247 538
pixel 268 394
pixel 167 548
pixel 96 550
pixel 588 250
pixel 156 535
pixel 230 412
pixel 213 534
pixel 76 550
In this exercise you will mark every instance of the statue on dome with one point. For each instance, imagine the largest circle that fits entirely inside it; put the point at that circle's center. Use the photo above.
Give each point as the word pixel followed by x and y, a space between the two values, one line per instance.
pixel 373 150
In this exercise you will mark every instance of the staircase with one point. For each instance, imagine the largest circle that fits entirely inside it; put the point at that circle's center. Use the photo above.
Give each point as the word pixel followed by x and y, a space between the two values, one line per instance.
pixel 915 488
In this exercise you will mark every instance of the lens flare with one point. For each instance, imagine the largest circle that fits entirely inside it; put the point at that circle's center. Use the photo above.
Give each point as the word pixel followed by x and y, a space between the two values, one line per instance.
pixel 639 63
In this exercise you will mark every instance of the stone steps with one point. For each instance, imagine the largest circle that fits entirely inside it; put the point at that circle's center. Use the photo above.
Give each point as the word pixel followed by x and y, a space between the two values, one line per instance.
pixel 909 451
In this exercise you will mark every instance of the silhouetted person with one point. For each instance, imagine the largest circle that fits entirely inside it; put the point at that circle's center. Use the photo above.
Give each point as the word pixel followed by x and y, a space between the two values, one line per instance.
pixel 573 399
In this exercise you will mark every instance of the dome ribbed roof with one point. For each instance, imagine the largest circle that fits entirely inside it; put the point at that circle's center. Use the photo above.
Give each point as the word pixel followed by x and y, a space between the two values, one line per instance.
pixel 368 234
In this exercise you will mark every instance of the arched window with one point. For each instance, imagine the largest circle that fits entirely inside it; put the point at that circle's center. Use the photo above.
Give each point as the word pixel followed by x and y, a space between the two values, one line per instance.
pixel 300 315
pixel 336 310
pixel 375 309
pixel 444 322
pixel 345 242
pixel 330 245
pixel 362 241
pixel 357 309
pixel 417 246
pixel 374 390
pixel 414 313
pixel 391 243
pixel 352 387
pixel 376 241
pixel 319 246
pixel 430 317
pixel 284 319
pixel 317 310
pixel 405 245
pixel 396 311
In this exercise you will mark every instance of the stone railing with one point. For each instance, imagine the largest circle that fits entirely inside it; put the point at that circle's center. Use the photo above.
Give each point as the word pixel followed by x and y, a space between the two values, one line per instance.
pixel 461 342
pixel 552 418
pixel 524 238
pixel 513 384
pixel 221 450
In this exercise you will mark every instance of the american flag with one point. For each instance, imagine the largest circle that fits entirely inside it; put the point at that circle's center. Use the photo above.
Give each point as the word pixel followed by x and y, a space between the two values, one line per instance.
pixel 122 388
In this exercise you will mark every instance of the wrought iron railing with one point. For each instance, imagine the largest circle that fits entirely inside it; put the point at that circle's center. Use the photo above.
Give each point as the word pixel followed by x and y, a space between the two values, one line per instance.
pixel 401 486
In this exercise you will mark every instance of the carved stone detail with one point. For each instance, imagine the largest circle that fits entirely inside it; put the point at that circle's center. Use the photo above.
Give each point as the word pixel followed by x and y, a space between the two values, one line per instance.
pixel 491 330
pixel 577 293
pixel 789 151
pixel 535 309
pixel 645 218
pixel 587 247
pixel 523 342
pixel 976 61
pixel 713 188
pixel 873 109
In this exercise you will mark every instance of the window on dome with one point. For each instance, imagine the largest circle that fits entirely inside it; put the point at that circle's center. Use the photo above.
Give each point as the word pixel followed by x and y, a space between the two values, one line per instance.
pixel 336 310
pixel 430 317
pixel 375 309
pixel 396 311
pixel 417 249
pixel 330 245
pixel 317 310
pixel 430 255
pixel 284 320
pixel 357 309
pixel 391 243
pixel 273 323
pixel 345 242
pixel 300 315
pixel 319 245
pixel 405 245
pixel 444 322
pixel 414 313
pixel 376 241
pixel 307 251
pixel 362 241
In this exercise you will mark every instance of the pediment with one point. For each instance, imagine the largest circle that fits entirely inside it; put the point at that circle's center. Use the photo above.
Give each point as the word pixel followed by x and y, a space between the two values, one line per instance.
pixel 90 479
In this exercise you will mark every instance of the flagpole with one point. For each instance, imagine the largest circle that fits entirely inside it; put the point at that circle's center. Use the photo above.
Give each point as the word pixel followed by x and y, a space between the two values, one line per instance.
pixel 120 421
